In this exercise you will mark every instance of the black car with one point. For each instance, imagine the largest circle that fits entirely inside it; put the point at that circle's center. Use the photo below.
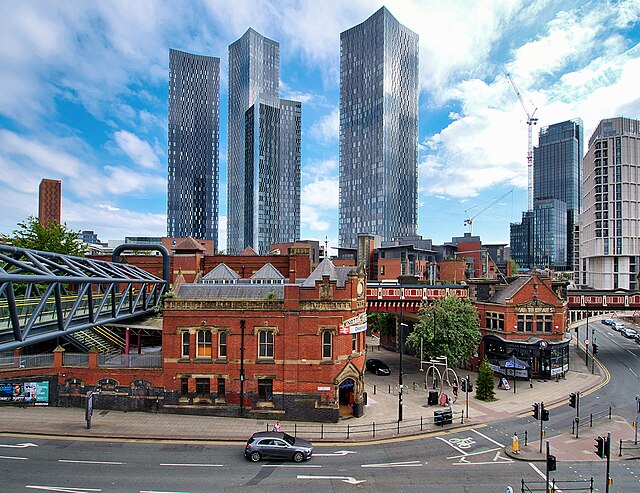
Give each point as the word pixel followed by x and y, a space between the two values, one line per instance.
pixel 277 445
pixel 377 367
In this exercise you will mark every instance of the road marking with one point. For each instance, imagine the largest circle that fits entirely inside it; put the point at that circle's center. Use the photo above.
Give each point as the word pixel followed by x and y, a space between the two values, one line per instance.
pixel 464 462
pixel 462 442
pixel 543 476
pixel 336 454
pixel 12 458
pixel 451 445
pixel 413 463
pixel 19 445
pixel 193 465
pixel 473 453
pixel 485 436
pixel 156 491
pixel 344 479
pixel 288 465
pixel 633 372
pixel 90 462
pixel 62 489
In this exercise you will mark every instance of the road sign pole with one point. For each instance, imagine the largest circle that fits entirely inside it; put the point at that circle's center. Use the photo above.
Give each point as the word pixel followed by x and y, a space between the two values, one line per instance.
pixel 577 413
pixel 546 488
pixel 541 424
pixel 607 448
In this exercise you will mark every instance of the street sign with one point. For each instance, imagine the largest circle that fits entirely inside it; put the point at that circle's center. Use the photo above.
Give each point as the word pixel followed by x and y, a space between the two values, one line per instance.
pixel 586 341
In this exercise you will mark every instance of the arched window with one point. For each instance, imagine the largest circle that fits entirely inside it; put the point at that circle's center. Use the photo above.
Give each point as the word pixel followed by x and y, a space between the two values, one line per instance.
pixel 327 344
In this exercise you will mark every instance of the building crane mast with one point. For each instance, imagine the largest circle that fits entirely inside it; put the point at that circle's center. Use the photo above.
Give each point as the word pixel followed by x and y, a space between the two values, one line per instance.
pixel 531 120
pixel 469 220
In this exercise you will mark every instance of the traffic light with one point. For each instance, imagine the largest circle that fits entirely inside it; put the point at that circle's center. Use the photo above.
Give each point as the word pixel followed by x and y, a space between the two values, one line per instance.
pixel 594 348
pixel 600 447
pixel 536 410
pixel 551 463
pixel 543 412
pixel 573 399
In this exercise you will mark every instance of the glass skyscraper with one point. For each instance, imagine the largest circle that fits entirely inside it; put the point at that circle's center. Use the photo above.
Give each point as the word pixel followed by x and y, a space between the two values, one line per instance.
pixel 193 146
pixel 264 149
pixel 378 130
pixel 557 191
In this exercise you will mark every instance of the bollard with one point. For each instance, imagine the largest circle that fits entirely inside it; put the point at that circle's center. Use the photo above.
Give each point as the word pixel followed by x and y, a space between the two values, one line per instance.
pixel 573 427
pixel 620 455
pixel 609 412
pixel 420 423
pixel 295 429
pixel 525 437
pixel 374 390
pixel 321 431
pixel 591 420
pixel 462 417
pixel 374 429
pixel 389 388
pixel 348 430
pixel 398 427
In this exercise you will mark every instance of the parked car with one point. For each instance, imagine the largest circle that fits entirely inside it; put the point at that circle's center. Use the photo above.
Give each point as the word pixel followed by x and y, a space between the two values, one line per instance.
pixel 629 333
pixel 377 367
pixel 277 445
pixel 607 321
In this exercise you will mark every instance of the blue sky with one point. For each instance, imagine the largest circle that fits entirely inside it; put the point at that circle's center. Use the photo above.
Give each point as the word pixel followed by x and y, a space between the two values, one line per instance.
pixel 83 98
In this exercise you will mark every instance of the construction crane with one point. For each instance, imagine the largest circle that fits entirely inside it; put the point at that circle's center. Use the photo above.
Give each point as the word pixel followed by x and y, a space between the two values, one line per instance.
pixel 469 220
pixel 531 120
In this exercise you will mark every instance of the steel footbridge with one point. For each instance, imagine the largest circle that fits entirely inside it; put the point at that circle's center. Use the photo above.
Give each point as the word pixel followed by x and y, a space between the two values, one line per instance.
pixel 46 295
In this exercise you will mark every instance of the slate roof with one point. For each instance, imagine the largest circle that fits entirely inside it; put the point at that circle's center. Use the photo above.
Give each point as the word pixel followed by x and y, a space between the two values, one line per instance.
pixel 508 292
pixel 269 273
pixel 231 291
pixel 221 272
pixel 188 245
pixel 326 268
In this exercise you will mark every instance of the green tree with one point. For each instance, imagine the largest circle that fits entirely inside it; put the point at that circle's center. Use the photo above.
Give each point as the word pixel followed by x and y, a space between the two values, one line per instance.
pixel 514 267
pixel 448 327
pixel 485 383
pixel 383 323
pixel 50 237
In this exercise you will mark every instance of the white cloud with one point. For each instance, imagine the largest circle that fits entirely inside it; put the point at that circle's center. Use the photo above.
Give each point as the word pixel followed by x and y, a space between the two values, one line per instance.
pixel 327 129
pixel 137 149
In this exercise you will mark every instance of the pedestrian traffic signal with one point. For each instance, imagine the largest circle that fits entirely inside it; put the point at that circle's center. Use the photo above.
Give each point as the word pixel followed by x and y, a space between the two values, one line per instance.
pixel 594 348
pixel 551 463
pixel 536 410
pixel 573 398
pixel 600 449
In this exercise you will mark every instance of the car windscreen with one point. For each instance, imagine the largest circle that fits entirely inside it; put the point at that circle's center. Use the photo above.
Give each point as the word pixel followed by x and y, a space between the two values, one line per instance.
pixel 289 439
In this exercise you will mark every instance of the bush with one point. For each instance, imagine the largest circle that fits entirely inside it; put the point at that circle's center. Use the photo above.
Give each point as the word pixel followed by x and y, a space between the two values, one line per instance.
pixel 485 383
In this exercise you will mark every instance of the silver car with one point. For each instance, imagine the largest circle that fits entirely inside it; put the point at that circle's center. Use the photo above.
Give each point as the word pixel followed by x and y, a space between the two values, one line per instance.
pixel 277 445
pixel 629 333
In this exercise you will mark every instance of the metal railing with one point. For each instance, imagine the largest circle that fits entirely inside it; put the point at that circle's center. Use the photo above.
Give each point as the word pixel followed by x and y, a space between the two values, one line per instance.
pixel 75 359
pixel 36 360
pixel 386 428
pixel 130 360
pixel 557 485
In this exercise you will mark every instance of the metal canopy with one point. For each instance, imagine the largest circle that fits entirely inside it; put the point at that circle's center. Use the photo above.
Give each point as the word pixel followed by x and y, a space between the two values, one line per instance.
pixel 46 295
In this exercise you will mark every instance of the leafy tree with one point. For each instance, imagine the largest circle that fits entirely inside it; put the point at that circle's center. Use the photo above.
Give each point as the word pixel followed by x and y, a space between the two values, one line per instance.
pixel 383 323
pixel 49 237
pixel 448 327
pixel 514 267
pixel 484 383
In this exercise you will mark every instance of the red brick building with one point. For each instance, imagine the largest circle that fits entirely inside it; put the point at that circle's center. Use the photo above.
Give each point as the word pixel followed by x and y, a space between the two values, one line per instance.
pixel 50 201
pixel 526 319
pixel 268 344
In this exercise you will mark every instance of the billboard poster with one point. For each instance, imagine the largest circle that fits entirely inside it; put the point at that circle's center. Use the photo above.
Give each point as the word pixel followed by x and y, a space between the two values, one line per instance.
pixel 354 325
pixel 36 392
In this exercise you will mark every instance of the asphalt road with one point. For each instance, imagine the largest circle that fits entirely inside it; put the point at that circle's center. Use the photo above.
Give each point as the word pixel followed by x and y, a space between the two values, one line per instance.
pixel 468 460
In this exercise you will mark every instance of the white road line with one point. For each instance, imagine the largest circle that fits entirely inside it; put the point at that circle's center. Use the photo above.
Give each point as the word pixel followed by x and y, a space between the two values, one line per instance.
pixel 18 445
pixel 483 464
pixel 193 465
pixel 91 462
pixel 288 465
pixel 542 475
pixel 62 489
pixel 344 479
pixel 452 446
pixel 473 453
pixel 336 454
pixel 12 458
pixel 413 463
pixel 633 372
pixel 156 491
pixel 485 436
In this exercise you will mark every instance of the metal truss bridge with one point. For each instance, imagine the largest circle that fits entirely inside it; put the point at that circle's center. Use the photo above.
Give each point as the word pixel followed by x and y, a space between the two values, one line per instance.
pixel 47 295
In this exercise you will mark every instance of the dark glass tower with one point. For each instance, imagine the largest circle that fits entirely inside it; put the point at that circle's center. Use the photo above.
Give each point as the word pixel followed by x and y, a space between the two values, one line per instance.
pixel 378 130
pixel 194 115
pixel 264 149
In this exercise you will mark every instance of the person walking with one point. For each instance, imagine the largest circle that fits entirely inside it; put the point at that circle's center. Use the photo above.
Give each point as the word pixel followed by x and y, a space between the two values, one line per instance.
pixel 516 443
pixel 277 427
pixel 455 389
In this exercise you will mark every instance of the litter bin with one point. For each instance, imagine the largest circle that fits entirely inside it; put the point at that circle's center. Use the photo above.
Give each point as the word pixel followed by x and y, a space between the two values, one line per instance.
pixel 442 417
pixel 432 399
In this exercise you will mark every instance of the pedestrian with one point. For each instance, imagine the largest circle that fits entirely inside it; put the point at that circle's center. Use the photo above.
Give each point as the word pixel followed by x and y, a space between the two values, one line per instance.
pixel 516 443
pixel 277 427
pixel 455 389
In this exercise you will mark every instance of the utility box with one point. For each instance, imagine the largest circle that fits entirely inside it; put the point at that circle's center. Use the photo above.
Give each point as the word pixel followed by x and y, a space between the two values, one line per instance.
pixel 443 417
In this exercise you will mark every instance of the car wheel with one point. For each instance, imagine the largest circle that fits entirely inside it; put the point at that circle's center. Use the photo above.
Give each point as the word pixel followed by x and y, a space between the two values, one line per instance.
pixel 298 457
pixel 255 456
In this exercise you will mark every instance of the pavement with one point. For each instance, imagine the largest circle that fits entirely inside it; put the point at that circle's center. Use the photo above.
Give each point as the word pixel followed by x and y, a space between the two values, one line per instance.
pixel 380 419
